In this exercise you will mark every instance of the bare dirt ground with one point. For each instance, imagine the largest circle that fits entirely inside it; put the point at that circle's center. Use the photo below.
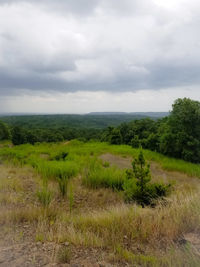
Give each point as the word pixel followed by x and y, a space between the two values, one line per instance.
pixel 19 248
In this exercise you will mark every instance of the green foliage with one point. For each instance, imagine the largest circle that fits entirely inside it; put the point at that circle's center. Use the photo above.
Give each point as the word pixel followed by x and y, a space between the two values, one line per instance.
pixel 69 122
pixel 61 156
pixel 116 137
pixel 5 133
pixel 18 136
pixel 141 171
pixel 135 142
pixel 177 135
pixel 106 164
pixel 137 186
pixel 80 154
pixel 181 135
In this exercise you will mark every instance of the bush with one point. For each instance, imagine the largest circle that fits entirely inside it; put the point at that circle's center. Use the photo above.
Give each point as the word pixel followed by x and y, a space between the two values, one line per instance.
pixel 61 156
pixel 64 255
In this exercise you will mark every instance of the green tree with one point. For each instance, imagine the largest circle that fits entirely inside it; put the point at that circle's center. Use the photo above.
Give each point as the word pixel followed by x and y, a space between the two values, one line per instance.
pixel 181 135
pixel 135 142
pixel 19 136
pixel 116 137
pixel 5 133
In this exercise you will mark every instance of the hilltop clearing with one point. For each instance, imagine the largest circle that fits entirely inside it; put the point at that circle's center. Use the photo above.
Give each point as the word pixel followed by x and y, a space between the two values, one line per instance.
pixel 88 226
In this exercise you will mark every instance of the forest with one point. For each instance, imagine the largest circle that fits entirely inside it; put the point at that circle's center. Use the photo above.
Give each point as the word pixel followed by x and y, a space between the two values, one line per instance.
pixel 176 135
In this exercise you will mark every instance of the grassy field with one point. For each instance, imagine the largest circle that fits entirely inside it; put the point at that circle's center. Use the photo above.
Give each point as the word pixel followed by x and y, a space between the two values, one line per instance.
pixel 68 196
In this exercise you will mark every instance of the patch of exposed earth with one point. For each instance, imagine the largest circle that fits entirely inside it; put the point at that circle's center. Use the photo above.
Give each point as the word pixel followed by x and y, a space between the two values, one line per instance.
pixel 27 253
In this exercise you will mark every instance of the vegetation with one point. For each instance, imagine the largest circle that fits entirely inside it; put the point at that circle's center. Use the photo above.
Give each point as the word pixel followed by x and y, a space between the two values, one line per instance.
pixel 44 196
pixel 137 187
pixel 5 133
pixel 101 224
pixel 64 255
pixel 98 176
pixel 92 198
pixel 177 135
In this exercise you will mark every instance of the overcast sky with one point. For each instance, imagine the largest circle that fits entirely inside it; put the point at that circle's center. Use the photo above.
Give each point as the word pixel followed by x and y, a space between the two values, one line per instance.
pixel 78 56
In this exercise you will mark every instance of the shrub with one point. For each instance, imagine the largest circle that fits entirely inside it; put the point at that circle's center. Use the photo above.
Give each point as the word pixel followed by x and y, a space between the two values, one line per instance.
pixel 61 156
pixel 64 255
pixel 106 164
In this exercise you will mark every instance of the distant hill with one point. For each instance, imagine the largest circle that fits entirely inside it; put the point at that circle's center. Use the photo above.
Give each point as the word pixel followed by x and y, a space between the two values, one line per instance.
pixel 143 114
pixel 96 120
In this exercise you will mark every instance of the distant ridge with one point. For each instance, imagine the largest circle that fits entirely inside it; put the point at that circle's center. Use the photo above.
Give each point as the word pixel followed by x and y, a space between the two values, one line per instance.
pixel 93 120
pixel 143 114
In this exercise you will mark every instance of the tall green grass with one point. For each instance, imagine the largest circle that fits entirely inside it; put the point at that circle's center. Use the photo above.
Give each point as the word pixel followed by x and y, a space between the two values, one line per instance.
pixel 97 176
pixel 55 169
pixel 79 153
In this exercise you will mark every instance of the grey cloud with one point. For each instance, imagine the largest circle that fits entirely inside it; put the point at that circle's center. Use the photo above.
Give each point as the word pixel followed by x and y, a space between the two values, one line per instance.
pixel 107 51
pixel 68 6
pixel 88 7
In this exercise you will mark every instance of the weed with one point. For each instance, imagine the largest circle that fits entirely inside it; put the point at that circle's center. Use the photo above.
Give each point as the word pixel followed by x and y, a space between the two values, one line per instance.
pixel 44 196
pixel 63 184
pixel 71 198
pixel 39 237
pixel 106 164
pixel 64 255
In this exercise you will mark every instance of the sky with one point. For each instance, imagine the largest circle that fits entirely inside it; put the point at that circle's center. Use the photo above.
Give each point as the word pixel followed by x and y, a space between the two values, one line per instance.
pixel 85 56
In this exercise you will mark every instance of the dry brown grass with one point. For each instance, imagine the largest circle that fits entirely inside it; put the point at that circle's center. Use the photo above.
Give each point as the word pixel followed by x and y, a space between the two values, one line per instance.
pixel 99 218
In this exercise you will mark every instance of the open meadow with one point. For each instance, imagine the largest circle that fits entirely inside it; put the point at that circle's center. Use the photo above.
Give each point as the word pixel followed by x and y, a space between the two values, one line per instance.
pixel 63 204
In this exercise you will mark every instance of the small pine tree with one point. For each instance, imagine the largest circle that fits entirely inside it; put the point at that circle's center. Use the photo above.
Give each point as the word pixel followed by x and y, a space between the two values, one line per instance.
pixel 137 186
pixel 141 171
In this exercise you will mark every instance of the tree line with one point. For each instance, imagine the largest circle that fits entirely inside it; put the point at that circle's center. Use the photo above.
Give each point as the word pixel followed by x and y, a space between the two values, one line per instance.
pixel 177 135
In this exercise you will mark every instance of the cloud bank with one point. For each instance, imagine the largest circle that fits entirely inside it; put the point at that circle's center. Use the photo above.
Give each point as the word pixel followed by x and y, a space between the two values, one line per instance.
pixel 69 46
